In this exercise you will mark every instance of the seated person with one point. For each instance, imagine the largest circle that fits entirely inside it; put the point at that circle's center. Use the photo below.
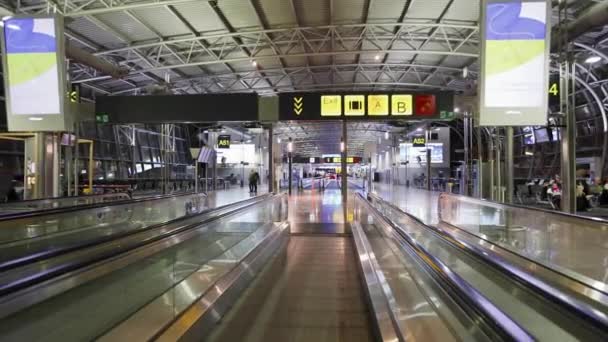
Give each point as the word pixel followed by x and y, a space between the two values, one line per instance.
pixel 582 203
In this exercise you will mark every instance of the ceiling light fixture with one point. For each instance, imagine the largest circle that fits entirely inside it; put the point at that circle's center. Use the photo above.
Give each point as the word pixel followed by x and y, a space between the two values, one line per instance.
pixel 254 63
pixel 593 59
pixel 377 57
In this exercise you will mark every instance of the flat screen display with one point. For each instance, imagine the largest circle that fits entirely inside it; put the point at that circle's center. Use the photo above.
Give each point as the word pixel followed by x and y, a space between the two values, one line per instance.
pixel 514 80
pixel 529 139
pixel 410 153
pixel 32 63
pixel 237 154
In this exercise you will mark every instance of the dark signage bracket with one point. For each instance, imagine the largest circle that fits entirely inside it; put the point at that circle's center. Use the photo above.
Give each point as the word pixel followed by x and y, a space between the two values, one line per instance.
pixel 178 108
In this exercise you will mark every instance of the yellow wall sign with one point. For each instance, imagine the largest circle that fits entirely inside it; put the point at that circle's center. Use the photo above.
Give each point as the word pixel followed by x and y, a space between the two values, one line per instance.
pixel 223 141
pixel 331 105
pixel 377 105
pixel 354 105
pixel 402 105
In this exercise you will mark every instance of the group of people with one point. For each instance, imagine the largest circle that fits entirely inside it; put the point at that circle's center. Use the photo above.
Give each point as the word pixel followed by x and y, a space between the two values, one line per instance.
pixel 586 190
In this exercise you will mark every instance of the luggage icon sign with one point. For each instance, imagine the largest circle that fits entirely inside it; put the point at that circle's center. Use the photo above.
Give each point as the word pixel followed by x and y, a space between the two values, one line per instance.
pixel 298 105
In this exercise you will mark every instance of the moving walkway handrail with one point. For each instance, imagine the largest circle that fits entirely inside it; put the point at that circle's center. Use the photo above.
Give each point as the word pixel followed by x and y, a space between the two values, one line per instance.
pixel 121 248
pixel 581 309
pixel 502 206
pixel 22 261
pixel 471 300
pixel 59 210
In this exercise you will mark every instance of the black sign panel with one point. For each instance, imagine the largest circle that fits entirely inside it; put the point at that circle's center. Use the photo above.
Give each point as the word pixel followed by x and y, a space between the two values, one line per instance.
pixel 554 93
pixel 365 106
pixel 419 142
pixel 178 108
pixel 223 141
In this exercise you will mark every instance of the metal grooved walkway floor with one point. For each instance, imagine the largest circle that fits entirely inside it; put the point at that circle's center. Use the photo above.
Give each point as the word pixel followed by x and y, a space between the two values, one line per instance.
pixel 310 291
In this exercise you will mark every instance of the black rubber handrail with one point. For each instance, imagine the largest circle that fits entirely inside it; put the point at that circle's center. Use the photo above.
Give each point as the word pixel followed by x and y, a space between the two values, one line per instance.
pixel 35 257
pixel 52 211
pixel 6 289
pixel 469 299
pixel 582 310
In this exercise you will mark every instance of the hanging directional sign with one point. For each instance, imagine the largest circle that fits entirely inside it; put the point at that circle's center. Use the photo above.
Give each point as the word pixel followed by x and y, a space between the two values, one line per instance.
pixel 223 141
pixel 554 95
pixel 364 106
pixel 419 141
pixel 298 105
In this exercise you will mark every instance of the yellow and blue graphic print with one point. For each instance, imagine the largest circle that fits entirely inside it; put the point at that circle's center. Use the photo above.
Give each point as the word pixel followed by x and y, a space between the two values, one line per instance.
pixel 515 44
pixel 31 58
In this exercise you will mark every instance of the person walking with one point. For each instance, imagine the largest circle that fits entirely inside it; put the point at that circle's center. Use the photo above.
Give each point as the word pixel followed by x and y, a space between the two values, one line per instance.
pixel 251 181
pixel 256 180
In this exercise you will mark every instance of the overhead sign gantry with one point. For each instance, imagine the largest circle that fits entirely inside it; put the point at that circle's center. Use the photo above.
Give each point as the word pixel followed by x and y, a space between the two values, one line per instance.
pixel 365 106
pixel 285 107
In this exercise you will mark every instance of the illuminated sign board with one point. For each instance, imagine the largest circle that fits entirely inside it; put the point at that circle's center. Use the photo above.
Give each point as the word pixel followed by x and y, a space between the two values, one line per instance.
pixel 325 160
pixel 375 106
pixel 223 141
pixel 378 105
pixel 402 105
pixel 34 73
pixel 354 105
pixel 331 105
pixel 515 62
pixel 419 141
pixel 554 95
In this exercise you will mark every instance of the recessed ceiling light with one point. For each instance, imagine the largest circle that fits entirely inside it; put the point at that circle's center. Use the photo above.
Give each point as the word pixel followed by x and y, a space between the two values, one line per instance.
pixel 36 119
pixel 593 59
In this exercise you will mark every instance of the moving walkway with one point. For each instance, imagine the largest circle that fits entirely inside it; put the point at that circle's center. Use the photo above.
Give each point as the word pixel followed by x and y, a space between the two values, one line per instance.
pixel 255 273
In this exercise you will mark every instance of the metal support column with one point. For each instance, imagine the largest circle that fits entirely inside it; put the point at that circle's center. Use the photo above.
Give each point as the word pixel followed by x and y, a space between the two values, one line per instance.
pixel 196 176
pixel 343 162
pixel 77 159
pixel 270 160
pixel 428 159
pixel 289 152
pixel 492 166
pixel 479 162
pixel 568 135
pixel 464 190
pixel 499 183
pixel 567 72
pixel 369 174
pixel 509 172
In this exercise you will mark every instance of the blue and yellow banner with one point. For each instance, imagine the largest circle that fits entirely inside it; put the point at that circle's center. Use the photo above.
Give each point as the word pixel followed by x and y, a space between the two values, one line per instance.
pixel 515 51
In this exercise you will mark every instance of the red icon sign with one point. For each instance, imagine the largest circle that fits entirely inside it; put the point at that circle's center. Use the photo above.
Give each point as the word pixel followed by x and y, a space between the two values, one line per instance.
pixel 425 105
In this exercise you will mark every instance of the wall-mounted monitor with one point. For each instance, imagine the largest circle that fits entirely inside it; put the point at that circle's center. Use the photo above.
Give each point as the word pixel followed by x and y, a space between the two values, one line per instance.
pixel 418 154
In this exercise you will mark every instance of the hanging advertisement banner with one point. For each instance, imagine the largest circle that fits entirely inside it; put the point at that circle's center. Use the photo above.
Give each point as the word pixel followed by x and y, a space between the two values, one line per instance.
pixel 514 62
pixel 33 57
